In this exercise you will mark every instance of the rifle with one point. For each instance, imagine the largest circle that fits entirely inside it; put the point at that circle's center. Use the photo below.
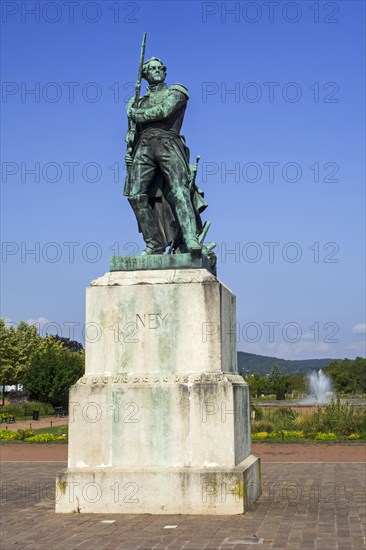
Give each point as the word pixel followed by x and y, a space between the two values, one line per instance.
pixel 131 134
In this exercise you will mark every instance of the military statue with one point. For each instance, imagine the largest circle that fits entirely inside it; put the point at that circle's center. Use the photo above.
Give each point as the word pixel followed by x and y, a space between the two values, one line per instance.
pixel 160 182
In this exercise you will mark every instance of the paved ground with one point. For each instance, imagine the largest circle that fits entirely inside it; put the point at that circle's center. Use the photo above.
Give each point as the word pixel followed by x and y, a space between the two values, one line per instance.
pixel 318 506
pixel 268 452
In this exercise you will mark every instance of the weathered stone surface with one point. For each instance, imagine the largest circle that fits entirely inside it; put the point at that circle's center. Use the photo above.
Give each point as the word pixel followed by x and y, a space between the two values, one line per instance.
pixel 194 422
pixel 159 490
pixel 161 415
pixel 160 322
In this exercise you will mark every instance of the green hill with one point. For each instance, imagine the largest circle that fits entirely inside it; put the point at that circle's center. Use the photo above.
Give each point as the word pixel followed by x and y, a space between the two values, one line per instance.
pixel 248 363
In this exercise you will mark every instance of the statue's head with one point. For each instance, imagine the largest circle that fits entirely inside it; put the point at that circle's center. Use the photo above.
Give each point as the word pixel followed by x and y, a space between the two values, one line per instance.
pixel 154 71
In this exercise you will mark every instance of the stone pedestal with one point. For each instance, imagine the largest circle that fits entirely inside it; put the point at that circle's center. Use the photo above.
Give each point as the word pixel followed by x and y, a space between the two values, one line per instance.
pixel 160 422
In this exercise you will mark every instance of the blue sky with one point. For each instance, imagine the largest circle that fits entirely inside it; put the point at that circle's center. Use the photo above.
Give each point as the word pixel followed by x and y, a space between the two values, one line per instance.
pixel 276 112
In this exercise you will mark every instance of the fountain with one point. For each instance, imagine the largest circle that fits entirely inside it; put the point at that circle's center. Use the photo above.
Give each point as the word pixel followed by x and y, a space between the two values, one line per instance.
pixel 320 388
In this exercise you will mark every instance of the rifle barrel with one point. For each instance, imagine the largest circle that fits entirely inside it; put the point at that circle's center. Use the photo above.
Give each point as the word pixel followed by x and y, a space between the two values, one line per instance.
pixel 139 74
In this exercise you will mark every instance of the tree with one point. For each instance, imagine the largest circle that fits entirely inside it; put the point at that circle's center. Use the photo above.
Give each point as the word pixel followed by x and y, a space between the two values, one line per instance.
pixel 348 376
pixel 298 382
pixel 53 370
pixel 27 342
pixel 8 354
pixel 18 346
pixel 72 345
pixel 47 367
pixel 280 383
pixel 257 384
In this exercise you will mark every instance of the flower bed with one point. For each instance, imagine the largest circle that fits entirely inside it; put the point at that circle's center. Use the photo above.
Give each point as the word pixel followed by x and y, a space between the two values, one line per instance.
pixel 29 435
pixel 8 435
pixel 299 435
pixel 45 438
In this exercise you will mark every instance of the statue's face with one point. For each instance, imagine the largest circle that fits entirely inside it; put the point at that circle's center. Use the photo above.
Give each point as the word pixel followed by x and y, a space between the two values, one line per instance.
pixel 155 73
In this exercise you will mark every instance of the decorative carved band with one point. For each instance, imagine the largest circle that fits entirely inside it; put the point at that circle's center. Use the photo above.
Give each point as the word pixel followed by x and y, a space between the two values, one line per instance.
pixel 203 378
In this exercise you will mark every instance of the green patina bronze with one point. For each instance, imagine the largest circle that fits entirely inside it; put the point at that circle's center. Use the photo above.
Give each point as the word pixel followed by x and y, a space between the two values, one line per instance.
pixel 161 183
pixel 161 261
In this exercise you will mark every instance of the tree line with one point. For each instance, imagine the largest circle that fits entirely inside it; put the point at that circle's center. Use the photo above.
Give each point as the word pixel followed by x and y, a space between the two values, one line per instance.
pixel 348 377
pixel 45 367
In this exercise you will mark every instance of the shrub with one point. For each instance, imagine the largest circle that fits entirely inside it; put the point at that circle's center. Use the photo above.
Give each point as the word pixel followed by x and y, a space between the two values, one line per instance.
pixel 260 436
pixel 42 438
pixel 63 431
pixel 285 418
pixel 310 435
pixel 23 433
pixel 298 433
pixel 286 412
pixel 353 436
pixel 287 434
pixel 280 394
pixel 339 418
pixel 262 426
pixel 326 437
pixel 8 435
pixel 258 411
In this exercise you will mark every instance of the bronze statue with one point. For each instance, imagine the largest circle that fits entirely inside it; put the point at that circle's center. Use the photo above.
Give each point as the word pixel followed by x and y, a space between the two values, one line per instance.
pixel 160 183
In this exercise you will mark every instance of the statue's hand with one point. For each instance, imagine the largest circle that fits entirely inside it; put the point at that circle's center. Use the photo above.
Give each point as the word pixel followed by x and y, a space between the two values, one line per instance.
pixel 132 114
pixel 128 159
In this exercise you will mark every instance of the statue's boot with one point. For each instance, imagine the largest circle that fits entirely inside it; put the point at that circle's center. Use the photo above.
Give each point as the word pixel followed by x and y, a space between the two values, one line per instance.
pixel 146 220
pixel 186 219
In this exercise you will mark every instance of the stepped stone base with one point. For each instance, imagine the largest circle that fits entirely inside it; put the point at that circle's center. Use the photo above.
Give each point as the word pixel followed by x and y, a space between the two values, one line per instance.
pixel 159 491
pixel 160 421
